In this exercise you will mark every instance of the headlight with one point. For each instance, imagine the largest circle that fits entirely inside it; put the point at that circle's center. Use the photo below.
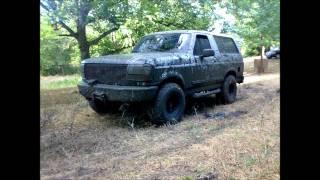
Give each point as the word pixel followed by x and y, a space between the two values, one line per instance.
pixel 139 72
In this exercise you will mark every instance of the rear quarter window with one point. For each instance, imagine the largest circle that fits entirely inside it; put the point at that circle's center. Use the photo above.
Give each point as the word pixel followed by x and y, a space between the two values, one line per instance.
pixel 226 45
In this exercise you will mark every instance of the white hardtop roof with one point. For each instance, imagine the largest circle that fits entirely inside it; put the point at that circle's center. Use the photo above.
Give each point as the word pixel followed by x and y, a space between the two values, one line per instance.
pixel 191 31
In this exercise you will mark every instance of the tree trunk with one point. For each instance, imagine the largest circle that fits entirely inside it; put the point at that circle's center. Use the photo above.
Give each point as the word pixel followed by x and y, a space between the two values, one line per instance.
pixel 261 52
pixel 84 45
pixel 261 65
pixel 84 49
pixel 83 42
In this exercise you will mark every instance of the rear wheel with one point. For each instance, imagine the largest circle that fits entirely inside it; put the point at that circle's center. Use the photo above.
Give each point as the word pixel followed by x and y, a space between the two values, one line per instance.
pixel 229 90
pixel 169 105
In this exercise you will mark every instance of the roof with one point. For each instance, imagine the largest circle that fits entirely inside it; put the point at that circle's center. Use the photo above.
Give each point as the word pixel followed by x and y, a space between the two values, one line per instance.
pixel 190 31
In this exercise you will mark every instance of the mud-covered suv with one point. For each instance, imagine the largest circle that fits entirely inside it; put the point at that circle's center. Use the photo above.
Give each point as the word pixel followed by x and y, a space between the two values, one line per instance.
pixel 164 69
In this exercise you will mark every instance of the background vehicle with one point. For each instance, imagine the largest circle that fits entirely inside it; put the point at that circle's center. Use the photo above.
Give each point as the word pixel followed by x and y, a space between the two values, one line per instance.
pixel 273 53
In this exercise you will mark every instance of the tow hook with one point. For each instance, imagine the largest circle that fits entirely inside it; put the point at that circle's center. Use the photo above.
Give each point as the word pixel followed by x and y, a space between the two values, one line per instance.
pixel 99 96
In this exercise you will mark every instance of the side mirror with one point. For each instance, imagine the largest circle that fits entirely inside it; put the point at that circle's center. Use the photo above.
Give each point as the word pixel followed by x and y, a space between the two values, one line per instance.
pixel 207 52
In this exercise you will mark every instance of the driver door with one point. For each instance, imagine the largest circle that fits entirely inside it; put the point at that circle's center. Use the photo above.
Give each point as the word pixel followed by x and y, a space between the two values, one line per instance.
pixel 203 75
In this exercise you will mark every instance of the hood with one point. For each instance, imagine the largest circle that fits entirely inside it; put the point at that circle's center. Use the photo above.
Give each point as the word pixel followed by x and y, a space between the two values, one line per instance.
pixel 154 58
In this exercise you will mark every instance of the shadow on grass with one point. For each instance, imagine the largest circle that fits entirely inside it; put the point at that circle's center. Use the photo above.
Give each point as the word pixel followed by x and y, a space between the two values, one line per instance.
pixel 137 115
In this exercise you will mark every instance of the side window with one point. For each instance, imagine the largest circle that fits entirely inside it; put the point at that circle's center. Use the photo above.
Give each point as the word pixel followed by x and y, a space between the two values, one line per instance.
pixel 226 45
pixel 202 42
pixel 197 48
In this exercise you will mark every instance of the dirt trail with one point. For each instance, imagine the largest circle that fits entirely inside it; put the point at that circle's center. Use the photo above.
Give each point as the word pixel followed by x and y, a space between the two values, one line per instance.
pixel 252 78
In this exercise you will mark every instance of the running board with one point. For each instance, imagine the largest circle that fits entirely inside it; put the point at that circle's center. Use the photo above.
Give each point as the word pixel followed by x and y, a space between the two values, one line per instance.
pixel 202 94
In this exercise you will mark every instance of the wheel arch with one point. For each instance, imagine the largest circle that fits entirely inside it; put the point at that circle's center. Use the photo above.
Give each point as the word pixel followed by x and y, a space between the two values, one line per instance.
pixel 172 77
pixel 231 72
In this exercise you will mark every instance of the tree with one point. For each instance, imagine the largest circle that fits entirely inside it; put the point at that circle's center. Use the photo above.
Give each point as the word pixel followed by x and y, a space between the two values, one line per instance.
pixel 156 15
pixel 75 17
pixel 257 21
pixel 164 15
pixel 55 52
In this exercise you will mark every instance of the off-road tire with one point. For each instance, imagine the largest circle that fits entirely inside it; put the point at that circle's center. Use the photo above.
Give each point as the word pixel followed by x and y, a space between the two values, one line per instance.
pixel 169 105
pixel 228 92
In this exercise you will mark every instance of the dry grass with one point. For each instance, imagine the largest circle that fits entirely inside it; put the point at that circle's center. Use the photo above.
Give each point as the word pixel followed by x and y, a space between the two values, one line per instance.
pixel 78 144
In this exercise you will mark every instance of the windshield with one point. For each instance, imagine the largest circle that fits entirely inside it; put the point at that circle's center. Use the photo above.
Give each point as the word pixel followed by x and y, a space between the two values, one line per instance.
pixel 163 42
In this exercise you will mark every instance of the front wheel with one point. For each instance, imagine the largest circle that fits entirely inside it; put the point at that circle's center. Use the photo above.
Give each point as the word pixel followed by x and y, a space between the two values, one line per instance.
pixel 169 105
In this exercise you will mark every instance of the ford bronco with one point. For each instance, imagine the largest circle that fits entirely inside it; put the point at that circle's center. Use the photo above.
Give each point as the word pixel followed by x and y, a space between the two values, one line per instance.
pixel 164 69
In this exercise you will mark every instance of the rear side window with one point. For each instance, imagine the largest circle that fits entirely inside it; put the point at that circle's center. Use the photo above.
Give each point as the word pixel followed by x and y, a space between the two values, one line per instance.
pixel 202 42
pixel 226 45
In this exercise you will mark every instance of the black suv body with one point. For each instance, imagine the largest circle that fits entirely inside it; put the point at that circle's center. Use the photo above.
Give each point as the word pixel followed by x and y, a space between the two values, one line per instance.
pixel 164 68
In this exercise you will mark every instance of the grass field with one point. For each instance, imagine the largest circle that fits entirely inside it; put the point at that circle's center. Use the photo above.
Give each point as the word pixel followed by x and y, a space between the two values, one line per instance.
pixel 57 82
pixel 76 143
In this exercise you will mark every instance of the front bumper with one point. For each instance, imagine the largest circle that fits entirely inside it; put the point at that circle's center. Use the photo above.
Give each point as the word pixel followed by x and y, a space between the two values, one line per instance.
pixel 117 93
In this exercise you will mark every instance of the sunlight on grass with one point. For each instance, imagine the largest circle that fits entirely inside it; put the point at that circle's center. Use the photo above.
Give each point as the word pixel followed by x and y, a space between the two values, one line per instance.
pixel 56 82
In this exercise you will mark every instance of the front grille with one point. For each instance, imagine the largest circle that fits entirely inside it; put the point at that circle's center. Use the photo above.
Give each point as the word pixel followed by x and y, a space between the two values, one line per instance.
pixel 106 73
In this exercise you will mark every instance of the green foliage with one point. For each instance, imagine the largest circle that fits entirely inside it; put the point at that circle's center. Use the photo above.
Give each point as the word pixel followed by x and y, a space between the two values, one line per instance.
pixel 149 16
pixel 56 53
pixel 258 23
pixel 86 21
pixel 118 42
pixel 155 15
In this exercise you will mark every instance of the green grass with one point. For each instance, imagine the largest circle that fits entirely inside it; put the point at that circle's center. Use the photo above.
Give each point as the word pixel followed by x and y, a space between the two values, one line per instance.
pixel 250 161
pixel 57 82
pixel 186 178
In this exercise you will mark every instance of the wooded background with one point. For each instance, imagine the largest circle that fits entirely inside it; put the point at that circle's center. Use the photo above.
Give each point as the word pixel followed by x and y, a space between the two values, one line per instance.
pixel 72 30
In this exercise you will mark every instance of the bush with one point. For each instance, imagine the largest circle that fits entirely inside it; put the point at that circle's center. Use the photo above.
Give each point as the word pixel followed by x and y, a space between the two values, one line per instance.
pixel 65 69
